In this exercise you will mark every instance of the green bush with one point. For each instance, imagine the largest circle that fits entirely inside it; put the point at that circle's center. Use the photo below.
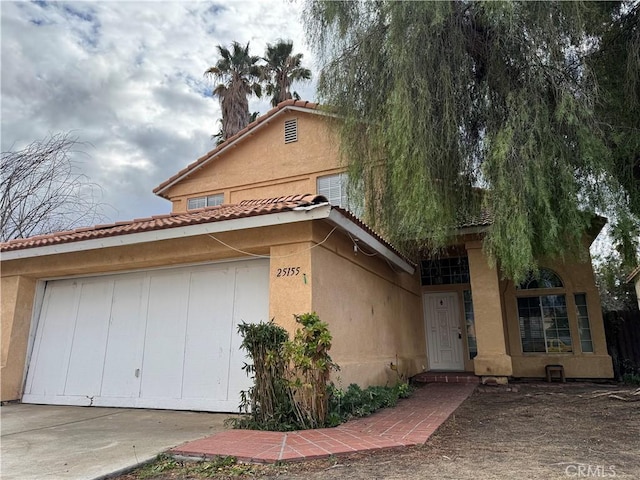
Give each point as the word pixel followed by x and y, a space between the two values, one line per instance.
pixel 631 378
pixel 356 402
pixel 310 368
pixel 268 403
pixel 291 380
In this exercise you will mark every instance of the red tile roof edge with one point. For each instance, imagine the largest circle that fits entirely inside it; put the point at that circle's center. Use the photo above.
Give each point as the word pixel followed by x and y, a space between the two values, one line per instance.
pixel 244 209
pixel 258 121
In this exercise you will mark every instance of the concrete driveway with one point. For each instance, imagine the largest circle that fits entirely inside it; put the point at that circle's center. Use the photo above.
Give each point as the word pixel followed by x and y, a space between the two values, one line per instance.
pixel 85 443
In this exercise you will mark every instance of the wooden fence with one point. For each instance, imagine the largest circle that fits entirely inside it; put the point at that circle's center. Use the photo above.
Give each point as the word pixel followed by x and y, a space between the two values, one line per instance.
pixel 623 341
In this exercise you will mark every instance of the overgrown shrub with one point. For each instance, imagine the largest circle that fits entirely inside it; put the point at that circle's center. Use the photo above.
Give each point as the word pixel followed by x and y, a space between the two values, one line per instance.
pixel 310 368
pixel 292 389
pixel 268 402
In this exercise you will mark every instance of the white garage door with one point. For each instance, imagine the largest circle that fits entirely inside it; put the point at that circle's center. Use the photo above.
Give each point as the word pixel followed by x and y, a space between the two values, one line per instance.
pixel 155 339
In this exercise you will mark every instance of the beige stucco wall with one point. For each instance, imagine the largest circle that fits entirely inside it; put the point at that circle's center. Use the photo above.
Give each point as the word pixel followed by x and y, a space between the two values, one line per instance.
pixel 19 278
pixel 577 277
pixel 263 166
pixel 290 293
pixel 497 328
pixel 374 313
pixel 17 294
pixel 493 355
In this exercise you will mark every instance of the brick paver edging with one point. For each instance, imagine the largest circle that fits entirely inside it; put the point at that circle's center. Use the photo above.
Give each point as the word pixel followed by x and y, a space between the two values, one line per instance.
pixel 409 423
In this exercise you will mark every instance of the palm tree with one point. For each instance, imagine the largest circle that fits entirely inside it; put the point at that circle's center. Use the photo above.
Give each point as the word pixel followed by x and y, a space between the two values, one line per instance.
pixel 239 77
pixel 281 70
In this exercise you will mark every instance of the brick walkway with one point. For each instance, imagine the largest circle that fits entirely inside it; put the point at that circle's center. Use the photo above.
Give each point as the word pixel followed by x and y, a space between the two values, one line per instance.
pixel 411 422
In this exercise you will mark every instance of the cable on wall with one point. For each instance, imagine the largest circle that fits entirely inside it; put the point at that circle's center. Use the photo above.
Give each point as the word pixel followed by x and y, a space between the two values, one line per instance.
pixel 244 252
pixel 356 247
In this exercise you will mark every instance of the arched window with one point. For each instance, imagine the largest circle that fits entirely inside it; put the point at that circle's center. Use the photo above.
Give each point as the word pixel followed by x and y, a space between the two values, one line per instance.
pixel 544 278
pixel 543 319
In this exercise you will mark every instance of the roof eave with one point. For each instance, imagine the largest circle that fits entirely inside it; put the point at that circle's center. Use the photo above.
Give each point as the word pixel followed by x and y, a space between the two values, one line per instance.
pixel 254 221
pixel 297 214
pixel 340 220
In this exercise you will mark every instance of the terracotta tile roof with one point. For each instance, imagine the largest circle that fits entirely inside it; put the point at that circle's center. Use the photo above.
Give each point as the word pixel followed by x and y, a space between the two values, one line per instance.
pixel 482 219
pixel 252 126
pixel 219 213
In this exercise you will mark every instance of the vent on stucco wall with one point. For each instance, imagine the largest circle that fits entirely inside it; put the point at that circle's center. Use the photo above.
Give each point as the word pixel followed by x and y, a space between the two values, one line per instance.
pixel 291 130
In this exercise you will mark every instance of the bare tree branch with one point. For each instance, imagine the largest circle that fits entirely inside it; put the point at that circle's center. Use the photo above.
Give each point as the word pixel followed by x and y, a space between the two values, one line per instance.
pixel 43 191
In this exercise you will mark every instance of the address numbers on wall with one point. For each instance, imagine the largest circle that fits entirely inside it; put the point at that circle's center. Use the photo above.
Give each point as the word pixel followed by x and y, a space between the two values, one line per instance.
pixel 288 272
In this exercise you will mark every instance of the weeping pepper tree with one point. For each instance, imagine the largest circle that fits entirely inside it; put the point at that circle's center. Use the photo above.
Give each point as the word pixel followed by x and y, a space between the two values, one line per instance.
pixel 454 108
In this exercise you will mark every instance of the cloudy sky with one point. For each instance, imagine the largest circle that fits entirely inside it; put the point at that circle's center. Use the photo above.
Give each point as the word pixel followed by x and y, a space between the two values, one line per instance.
pixel 127 79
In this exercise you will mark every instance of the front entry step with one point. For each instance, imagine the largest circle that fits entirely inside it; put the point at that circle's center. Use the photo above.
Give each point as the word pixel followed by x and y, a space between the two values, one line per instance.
pixel 446 377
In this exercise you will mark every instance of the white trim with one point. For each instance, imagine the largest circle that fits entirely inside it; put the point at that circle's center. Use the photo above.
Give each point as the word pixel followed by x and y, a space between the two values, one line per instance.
pixel 144 270
pixel 171 233
pixel 365 237
pixel 312 212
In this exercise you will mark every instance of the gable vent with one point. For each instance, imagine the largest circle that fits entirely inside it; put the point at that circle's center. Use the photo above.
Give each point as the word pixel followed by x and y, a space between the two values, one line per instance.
pixel 291 131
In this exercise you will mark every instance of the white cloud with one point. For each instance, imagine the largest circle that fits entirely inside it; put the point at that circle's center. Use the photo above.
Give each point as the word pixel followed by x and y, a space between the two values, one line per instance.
pixel 127 79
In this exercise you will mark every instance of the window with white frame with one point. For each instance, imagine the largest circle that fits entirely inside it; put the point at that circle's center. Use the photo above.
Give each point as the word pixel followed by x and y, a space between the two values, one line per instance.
pixel 543 318
pixel 208 201
pixel 584 330
pixel 334 189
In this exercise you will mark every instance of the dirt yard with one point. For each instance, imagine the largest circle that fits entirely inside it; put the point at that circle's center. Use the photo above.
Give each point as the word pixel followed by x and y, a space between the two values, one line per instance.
pixel 532 431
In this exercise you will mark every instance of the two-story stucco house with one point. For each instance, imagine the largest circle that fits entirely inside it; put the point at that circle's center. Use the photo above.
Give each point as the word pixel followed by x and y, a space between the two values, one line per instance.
pixel 144 313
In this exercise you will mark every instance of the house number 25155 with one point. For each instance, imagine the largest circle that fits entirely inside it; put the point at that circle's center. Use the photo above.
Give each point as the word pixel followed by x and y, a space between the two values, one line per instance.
pixel 288 272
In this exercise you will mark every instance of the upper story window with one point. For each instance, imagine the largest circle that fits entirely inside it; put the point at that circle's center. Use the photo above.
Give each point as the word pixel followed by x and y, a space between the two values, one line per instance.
pixel 208 201
pixel 291 130
pixel 334 188
pixel 444 271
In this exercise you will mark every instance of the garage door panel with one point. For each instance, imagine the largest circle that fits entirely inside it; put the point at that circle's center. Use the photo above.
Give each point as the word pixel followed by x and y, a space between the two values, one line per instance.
pixel 209 332
pixel 167 338
pixel 163 358
pixel 250 299
pixel 49 362
pixel 123 358
pixel 86 360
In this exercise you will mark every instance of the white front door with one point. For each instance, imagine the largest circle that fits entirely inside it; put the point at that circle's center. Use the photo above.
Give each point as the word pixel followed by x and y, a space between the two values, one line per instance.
pixel 443 332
